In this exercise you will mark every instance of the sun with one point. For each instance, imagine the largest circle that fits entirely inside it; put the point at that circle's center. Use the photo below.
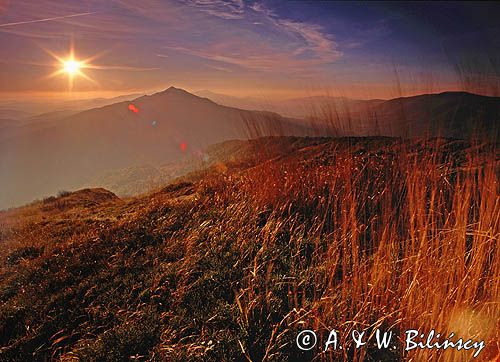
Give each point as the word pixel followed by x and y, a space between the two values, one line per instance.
pixel 71 66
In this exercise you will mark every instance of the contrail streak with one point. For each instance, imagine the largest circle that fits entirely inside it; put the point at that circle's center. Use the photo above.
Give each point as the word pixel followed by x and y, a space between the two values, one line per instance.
pixel 46 19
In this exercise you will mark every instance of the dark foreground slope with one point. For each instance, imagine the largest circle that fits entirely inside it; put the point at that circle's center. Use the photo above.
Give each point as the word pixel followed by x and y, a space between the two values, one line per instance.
pixel 230 264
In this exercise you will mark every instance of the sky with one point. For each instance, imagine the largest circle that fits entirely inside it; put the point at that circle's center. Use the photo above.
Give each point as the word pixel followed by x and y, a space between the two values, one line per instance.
pixel 259 48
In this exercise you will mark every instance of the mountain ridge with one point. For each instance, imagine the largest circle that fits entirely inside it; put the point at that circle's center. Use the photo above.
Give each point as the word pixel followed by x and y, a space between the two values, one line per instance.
pixel 41 158
pixel 159 128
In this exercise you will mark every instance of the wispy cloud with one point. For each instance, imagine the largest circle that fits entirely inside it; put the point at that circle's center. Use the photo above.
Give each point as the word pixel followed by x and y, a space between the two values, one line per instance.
pixel 122 67
pixel 220 69
pixel 277 44
pixel 256 62
pixel 199 28
pixel 191 38
pixel 45 19
pixel 322 46
pixel 225 9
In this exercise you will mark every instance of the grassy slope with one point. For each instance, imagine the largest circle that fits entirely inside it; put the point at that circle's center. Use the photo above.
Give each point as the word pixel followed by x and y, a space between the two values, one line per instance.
pixel 230 265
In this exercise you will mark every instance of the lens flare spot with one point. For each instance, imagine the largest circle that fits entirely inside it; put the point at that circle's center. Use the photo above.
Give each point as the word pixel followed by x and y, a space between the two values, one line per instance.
pixel 133 108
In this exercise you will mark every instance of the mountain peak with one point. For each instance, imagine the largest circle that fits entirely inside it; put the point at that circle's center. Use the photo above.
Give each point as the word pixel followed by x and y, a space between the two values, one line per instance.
pixel 179 93
pixel 171 92
pixel 174 90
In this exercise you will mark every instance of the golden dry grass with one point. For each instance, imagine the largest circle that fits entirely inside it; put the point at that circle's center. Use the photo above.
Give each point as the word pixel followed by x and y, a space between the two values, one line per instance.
pixel 353 233
pixel 403 237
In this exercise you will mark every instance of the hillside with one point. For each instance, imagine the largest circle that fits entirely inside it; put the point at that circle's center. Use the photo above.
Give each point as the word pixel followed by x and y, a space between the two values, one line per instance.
pixel 230 263
pixel 42 158
pixel 300 107
pixel 448 114
pixel 138 180
pixel 159 137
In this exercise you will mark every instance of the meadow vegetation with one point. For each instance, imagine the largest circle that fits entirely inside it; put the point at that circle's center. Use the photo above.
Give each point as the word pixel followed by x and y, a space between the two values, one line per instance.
pixel 229 264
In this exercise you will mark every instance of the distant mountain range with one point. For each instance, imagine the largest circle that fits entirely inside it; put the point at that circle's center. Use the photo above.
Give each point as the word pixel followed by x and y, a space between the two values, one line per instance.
pixel 25 108
pixel 40 155
pixel 450 114
pixel 302 107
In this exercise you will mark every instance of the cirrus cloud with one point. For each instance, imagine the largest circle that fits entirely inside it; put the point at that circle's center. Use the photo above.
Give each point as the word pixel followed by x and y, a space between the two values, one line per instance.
pixel 263 40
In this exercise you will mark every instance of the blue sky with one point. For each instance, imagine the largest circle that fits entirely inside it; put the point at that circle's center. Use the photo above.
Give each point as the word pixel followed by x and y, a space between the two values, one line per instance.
pixel 257 48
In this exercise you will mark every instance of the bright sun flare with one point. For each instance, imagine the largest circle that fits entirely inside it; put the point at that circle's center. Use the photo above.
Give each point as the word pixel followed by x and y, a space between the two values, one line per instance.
pixel 71 66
